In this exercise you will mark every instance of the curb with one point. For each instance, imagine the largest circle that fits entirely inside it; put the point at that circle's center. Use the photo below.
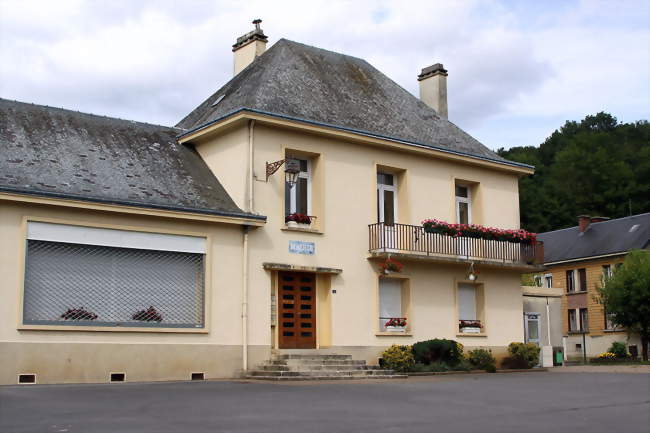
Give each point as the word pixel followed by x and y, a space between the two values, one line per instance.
pixel 445 373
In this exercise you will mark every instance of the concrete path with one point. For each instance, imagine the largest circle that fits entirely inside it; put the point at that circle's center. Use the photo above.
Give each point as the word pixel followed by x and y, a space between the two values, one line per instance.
pixel 485 403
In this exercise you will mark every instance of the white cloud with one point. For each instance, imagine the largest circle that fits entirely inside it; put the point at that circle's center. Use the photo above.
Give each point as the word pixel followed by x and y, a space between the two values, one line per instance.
pixel 510 66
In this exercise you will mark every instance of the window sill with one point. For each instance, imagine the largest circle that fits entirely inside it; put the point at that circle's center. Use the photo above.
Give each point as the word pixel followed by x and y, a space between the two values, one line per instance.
pixel 576 293
pixel 301 229
pixel 578 332
pixel 613 330
pixel 83 328
pixel 393 334
pixel 471 334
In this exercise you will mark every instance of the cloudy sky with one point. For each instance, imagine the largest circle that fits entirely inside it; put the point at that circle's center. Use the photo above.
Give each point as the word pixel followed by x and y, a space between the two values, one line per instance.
pixel 517 69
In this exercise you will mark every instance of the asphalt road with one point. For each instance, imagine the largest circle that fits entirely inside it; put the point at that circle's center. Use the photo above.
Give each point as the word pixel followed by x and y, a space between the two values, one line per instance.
pixel 485 403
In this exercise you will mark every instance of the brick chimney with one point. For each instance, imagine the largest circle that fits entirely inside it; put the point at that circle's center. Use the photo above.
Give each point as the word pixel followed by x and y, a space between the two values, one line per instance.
pixel 433 88
pixel 248 47
pixel 583 223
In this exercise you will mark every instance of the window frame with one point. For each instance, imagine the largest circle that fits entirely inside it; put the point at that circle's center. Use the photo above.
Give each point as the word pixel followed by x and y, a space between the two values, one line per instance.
pixel 481 309
pixel 467 200
pixel 548 281
pixel 293 191
pixel 571 288
pixel 207 283
pixel 381 188
pixel 405 285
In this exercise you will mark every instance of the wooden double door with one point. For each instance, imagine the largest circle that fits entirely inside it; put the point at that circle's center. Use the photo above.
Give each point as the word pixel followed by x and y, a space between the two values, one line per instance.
pixel 297 310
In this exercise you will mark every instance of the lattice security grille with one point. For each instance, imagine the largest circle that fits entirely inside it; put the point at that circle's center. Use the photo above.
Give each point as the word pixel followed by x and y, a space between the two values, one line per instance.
pixel 73 284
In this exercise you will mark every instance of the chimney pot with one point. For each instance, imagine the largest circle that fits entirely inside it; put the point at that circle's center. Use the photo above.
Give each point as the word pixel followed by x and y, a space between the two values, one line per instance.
pixel 433 88
pixel 583 223
pixel 248 47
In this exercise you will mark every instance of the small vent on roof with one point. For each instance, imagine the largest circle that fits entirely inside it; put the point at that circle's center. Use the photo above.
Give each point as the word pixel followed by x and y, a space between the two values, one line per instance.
pixel 634 228
pixel 218 100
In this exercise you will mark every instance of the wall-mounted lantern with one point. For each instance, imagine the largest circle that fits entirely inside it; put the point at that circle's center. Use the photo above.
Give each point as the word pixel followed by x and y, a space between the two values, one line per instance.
pixel 472 275
pixel 291 170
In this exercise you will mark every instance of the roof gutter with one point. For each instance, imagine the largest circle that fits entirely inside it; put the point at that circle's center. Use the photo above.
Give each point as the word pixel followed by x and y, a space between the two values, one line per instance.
pixel 582 259
pixel 355 131
pixel 9 193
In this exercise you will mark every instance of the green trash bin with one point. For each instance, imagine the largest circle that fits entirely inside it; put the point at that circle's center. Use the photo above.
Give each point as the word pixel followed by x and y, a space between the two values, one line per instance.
pixel 559 358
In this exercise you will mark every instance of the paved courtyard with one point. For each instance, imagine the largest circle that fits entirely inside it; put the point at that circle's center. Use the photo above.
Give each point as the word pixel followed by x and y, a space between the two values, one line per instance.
pixel 520 402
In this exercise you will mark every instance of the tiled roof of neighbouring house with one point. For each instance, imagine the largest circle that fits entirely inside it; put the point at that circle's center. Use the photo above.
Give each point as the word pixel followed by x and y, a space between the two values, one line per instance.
pixel 302 82
pixel 54 152
pixel 600 238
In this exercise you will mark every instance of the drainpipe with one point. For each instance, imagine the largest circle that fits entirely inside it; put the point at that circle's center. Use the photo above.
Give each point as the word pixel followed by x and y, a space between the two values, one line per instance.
pixel 244 301
pixel 548 322
pixel 246 229
pixel 251 175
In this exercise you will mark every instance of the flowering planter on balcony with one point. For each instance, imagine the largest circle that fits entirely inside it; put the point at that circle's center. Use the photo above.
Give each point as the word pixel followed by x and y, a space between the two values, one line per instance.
pixel 401 240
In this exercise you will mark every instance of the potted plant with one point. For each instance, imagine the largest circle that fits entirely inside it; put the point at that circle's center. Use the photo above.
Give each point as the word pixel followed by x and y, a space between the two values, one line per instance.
pixel 78 314
pixel 396 324
pixel 479 232
pixel 298 220
pixel 390 266
pixel 148 315
pixel 470 326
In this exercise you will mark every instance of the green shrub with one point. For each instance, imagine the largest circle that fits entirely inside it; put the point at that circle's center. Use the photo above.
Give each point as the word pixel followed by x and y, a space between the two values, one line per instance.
pixel 619 349
pixel 438 350
pixel 522 355
pixel 398 358
pixel 482 359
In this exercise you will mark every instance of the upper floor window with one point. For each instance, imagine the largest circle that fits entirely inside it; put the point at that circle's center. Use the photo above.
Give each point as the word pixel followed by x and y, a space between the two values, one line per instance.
pixel 463 204
pixel 386 198
pixel 582 280
pixel 570 281
pixel 538 280
pixel 548 281
pixel 607 272
pixel 297 197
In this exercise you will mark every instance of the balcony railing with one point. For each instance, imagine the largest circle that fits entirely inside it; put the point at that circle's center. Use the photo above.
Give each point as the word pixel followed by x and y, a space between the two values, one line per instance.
pixel 411 239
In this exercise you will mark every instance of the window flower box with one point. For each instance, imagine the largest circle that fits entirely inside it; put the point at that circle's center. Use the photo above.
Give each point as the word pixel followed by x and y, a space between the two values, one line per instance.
pixel 296 220
pixel 396 324
pixel 78 314
pixel 479 232
pixel 470 326
pixel 148 315
pixel 390 266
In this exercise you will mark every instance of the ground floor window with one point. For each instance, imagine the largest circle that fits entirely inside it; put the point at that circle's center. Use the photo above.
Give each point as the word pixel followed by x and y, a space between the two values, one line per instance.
pixel 470 308
pixel 393 304
pixel 578 320
pixel 105 277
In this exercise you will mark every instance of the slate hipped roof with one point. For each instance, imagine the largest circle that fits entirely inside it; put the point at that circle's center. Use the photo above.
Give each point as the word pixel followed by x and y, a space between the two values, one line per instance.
pixel 601 238
pixel 61 153
pixel 302 82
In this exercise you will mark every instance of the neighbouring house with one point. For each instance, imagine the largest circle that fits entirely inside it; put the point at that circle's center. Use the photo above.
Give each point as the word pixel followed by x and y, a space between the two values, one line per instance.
pixel 543 319
pixel 284 213
pixel 578 260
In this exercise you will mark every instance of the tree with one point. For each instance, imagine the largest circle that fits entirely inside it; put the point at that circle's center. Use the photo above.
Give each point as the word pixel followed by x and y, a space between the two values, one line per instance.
pixel 596 167
pixel 626 296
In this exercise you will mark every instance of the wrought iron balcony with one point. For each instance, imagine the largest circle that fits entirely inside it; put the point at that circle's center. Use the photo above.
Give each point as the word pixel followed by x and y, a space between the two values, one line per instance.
pixel 410 241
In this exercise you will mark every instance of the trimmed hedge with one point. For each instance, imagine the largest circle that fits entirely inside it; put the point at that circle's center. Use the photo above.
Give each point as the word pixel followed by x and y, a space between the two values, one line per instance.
pixel 438 350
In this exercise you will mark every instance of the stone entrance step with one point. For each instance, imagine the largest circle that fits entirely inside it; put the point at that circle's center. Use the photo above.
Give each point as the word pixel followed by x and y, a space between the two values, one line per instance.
pixel 314 366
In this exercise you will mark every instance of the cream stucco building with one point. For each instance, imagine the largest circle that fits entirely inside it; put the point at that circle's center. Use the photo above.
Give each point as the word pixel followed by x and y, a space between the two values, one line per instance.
pixel 140 252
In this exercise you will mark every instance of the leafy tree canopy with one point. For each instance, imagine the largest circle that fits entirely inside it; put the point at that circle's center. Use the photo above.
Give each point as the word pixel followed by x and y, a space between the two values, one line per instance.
pixel 626 295
pixel 595 167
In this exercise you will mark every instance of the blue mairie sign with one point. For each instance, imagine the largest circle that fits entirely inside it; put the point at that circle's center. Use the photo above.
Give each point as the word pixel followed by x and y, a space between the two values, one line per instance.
pixel 300 247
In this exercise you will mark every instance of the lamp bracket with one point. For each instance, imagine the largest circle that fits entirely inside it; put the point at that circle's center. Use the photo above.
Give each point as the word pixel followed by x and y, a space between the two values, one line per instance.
pixel 272 167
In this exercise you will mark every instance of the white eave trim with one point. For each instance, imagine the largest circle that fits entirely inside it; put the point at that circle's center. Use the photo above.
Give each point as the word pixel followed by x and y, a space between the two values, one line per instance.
pixel 115 238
